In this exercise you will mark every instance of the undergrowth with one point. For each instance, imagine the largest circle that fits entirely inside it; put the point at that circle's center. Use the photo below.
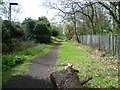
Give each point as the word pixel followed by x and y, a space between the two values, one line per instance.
pixel 17 63
pixel 105 75
pixel 13 59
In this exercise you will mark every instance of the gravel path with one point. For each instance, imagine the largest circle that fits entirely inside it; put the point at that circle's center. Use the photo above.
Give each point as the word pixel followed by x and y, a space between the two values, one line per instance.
pixel 38 76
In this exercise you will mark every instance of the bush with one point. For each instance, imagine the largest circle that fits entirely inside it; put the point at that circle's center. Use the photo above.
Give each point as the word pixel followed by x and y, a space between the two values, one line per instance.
pixel 55 32
pixel 9 61
pixel 42 33
pixel 9 31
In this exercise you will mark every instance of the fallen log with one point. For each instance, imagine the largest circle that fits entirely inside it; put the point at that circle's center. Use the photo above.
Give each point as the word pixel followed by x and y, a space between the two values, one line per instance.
pixel 67 78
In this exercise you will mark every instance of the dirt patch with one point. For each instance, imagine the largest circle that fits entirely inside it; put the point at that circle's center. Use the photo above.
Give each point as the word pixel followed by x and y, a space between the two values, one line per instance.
pixel 38 76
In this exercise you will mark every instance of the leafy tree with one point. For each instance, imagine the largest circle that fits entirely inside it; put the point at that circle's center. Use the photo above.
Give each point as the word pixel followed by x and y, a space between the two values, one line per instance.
pixel 55 31
pixel 42 33
pixel 44 20
pixel 38 30
pixel 29 25
pixel 10 31
pixel 6 36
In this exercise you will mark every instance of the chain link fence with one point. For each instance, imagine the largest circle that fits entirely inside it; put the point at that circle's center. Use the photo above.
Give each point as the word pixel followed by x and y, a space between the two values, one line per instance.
pixel 104 42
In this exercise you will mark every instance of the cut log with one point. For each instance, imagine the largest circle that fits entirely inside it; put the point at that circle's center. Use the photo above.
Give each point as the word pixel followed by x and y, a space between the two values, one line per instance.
pixel 67 78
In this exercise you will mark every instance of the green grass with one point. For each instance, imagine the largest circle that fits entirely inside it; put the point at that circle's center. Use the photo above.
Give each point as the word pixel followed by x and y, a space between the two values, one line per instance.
pixel 13 59
pixel 55 40
pixel 104 75
pixel 27 54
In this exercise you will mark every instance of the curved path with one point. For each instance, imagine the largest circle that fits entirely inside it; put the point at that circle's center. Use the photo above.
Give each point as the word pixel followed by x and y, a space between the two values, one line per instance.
pixel 38 76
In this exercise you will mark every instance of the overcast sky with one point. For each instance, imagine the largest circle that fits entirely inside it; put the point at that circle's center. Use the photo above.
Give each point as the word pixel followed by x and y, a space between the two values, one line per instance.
pixel 33 9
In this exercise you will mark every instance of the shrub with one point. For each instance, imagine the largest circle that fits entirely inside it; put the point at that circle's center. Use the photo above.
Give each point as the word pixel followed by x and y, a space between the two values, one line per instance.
pixel 55 32
pixel 9 61
pixel 42 33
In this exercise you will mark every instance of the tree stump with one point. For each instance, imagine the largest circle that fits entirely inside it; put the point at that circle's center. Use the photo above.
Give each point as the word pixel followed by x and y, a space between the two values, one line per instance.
pixel 67 78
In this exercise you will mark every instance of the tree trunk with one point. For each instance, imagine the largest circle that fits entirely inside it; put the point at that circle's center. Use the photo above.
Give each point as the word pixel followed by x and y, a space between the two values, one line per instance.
pixel 67 78
pixel 119 14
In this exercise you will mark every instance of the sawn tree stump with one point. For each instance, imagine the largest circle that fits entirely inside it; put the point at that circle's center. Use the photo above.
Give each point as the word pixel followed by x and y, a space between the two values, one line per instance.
pixel 67 78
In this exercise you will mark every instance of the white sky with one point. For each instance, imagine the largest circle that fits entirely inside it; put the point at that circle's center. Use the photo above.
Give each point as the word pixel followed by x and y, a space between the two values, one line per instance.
pixel 33 9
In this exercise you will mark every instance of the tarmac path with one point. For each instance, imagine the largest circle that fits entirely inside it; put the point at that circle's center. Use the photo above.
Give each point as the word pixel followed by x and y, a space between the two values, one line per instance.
pixel 38 76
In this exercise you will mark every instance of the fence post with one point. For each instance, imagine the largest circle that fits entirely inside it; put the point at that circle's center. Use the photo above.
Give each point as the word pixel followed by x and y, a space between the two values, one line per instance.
pixel 91 39
pixel 115 50
pixel 99 42
pixel 109 41
pixel 113 45
pixel 118 45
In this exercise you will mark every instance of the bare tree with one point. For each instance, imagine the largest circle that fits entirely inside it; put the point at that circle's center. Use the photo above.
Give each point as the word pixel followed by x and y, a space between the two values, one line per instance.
pixel 4 10
pixel 94 15
pixel 114 10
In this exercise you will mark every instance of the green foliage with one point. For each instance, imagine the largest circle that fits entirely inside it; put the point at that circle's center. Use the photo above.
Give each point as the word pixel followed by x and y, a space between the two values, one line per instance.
pixel 55 40
pixel 44 20
pixel 29 25
pixel 18 46
pixel 55 31
pixel 103 73
pixel 11 60
pixel 5 48
pixel 17 70
pixel 30 30
pixel 17 32
pixel 10 31
pixel 24 45
pixel 38 30
pixel 6 31
pixel 21 68
pixel 42 33
pixel 69 30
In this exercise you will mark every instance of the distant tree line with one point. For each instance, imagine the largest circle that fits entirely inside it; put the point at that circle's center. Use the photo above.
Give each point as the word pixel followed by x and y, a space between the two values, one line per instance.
pixel 39 31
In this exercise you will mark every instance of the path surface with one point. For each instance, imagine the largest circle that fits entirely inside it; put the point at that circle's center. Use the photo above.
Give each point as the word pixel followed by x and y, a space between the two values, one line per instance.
pixel 38 76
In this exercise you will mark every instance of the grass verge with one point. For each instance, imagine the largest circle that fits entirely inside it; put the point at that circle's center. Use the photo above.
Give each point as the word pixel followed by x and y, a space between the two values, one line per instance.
pixel 27 54
pixel 105 75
